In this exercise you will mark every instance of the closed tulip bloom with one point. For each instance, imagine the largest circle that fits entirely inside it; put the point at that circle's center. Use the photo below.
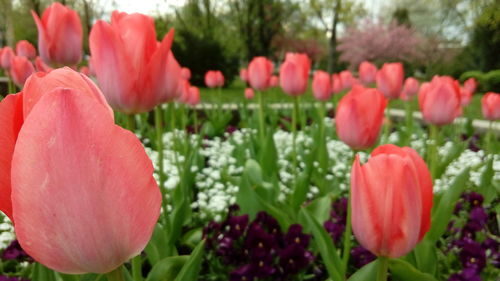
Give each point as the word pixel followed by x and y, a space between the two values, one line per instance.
pixel 346 79
pixel 134 72
pixel 439 100
pixel 470 85
pixel 20 69
pixel 336 83
pixel 367 72
pixel 244 75
pixel 274 81
pixel 6 57
pixel 194 96
pixel 185 73
pixel 59 35
pixel 322 86
pixel 214 78
pixel 391 200
pixel 390 79
pixel 25 49
pixel 410 88
pixel 465 96
pixel 260 70
pixel 491 106
pixel 294 74
pixel 359 117
pixel 249 93
pixel 41 66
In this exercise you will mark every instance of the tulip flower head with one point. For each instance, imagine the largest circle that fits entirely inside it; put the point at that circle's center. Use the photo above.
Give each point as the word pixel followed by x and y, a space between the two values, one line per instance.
pixel 322 86
pixel 359 117
pixel 490 104
pixel 336 83
pixel 390 79
pixel 185 73
pixel 367 72
pixel 244 75
pixel 214 78
pixel 440 100
pixel 83 194
pixel 346 79
pixel 470 85
pixel 294 74
pixel 41 66
pixel 194 96
pixel 20 69
pixel 6 57
pixel 249 93
pixel 260 70
pixel 391 200
pixel 60 35
pixel 134 71
pixel 410 88
pixel 274 81
pixel 25 49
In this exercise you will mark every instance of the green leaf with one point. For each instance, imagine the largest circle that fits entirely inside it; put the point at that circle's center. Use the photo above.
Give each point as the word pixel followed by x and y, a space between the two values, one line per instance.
pixel 455 151
pixel 403 271
pixel 167 269
pixel 325 246
pixel 320 208
pixel 156 248
pixel 442 213
pixel 253 172
pixel 268 156
pixel 425 256
pixel 191 268
pixel 486 185
pixel 366 273
pixel 42 273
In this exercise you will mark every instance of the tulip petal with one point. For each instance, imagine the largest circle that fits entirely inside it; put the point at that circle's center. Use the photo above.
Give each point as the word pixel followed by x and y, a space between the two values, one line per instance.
pixel 84 196
pixel 43 38
pixel 67 34
pixel 11 120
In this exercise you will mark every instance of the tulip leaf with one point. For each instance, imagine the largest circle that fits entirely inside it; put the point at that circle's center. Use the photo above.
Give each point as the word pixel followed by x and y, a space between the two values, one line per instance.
pixel 366 273
pixel 253 172
pixel 324 244
pixel 155 249
pixel 486 185
pixel 42 273
pixel 403 271
pixel 426 257
pixel 167 269
pixel 320 208
pixel 268 156
pixel 191 268
pixel 443 212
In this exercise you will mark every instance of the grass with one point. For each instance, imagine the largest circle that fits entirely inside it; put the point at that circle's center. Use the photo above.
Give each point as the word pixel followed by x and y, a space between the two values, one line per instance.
pixel 234 94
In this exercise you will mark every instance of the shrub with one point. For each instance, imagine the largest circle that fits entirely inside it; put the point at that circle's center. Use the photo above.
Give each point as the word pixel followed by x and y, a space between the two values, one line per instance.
pixel 478 75
pixel 492 81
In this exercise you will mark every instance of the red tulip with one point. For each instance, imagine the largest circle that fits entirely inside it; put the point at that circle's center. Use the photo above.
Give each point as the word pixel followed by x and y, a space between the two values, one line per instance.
pixel 470 85
pixel 59 35
pixel 274 81
pixel 391 200
pixel 260 70
pixel 439 100
pixel 410 88
pixel 491 106
pixel 359 116
pixel 185 73
pixel 20 69
pixel 336 84
pixel 244 75
pixel 346 79
pixel 25 49
pixel 135 73
pixel 322 87
pixel 367 72
pixel 467 91
pixel 6 56
pixel 214 78
pixel 194 96
pixel 390 79
pixel 41 66
pixel 249 93
pixel 294 74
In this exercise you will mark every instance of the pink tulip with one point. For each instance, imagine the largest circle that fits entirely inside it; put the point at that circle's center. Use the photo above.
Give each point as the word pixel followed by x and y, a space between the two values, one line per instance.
pixel 185 73
pixel 194 96
pixel 59 35
pixel 25 49
pixel 490 104
pixel 439 100
pixel 336 84
pixel 322 86
pixel 470 85
pixel 390 79
pixel 135 73
pixel 6 57
pixel 85 70
pixel 214 78
pixel 260 70
pixel 20 69
pixel 359 117
pixel 274 81
pixel 294 74
pixel 346 79
pixel 41 66
pixel 244 75
pixel 391 200
pixel 410 88
pixel 367 72
pixel 249 93
pixel 467 91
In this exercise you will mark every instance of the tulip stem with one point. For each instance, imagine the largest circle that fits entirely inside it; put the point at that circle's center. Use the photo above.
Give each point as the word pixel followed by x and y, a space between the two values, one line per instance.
pixel 116 275
pixel 388 122
pixel 432 150
pixel 348 232
pixel 489 137
pixel 130 122
pixel 11 86
pixel 261 118
pixel 322 119
pixel 295 116
pixel 159 148
pixel 195 113
pixel 383 266
pixel 409 120
pixel 137 268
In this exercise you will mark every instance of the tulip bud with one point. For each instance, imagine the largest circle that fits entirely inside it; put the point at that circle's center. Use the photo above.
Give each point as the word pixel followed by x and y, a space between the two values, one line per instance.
pixel 439 100
pixel 322 87
pixel 260 70
pixel 410 88
pixel 391 200
pixel 359 116
pixel 244 75
pixel 185 73
pixel 274 81
pixel 390 79
pixel 249 94
pixel 336 84
pixel 490 104
pixel 294 74
pixel 367 72
pixel 346 79
pixel 25 49
pixel 6 57
pixel 20 69
pixel 214 78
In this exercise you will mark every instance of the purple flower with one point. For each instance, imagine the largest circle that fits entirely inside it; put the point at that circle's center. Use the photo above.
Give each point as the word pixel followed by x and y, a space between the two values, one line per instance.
pixel 268 223
pixel 361 256
pixel 472 255
pixel 7 278
pixel 477 220
pixel 263 266
pixel 473 198
pixel 295 236
pixel 467 274
pixel 336 230
pixel 243 273
pixel 15 252
pixel 236 225
pixel 259 242
pixel 295 258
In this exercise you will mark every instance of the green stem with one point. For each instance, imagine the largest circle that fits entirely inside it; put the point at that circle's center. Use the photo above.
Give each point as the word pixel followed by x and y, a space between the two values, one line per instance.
pixel 489 137
pixel 195 112
pixel 295 117
pixel 383 266
pixel 137 268
pixel 159 147
pixel 409 120
pixel 116 275
pixel 432 152
pixel 11 86
pixel 322 108
pixel 130 122
pixel 174 138
pixel 387 128
pixel 261 118
pixel 348 231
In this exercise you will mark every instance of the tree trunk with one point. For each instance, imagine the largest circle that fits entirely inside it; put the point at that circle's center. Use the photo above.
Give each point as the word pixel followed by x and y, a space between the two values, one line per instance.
pixel 332 60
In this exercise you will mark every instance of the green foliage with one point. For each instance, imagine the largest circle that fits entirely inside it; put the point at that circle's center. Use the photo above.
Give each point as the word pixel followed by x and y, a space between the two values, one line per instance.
pixel 486 37
pixel 478 75
pixel 492 80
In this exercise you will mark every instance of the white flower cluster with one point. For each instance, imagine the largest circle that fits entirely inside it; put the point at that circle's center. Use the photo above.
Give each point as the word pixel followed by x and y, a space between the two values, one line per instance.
pixel 7 234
